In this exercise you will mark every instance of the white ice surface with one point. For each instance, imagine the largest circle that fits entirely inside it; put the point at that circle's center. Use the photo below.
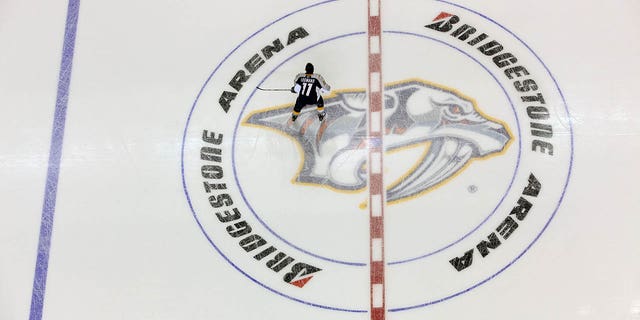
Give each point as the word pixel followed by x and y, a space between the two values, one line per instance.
pixel 125 245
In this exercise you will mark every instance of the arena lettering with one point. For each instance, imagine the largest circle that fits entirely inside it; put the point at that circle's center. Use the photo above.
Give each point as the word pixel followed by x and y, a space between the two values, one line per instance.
pixel 212 171
pixel 505 229
pixel 254 63
pixel 534 102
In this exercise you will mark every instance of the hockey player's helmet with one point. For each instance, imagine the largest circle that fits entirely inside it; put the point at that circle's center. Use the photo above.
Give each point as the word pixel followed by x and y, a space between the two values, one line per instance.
pixel 308 68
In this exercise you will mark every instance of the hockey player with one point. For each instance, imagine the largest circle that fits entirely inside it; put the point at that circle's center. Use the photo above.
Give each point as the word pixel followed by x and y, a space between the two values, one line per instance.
pixel 309 86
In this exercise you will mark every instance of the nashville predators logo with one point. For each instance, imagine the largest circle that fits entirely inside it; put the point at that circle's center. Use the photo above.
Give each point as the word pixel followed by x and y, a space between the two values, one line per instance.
pixel 416 112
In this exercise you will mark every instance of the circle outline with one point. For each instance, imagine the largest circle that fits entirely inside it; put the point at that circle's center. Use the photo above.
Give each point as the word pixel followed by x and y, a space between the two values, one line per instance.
pixel 567 180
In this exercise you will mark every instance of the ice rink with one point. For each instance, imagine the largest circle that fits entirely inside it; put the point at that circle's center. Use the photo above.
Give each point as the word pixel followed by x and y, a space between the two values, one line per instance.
pixel 477 160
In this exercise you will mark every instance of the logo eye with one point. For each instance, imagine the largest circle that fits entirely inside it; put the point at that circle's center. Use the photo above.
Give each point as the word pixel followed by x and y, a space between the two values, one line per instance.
pixel 455 109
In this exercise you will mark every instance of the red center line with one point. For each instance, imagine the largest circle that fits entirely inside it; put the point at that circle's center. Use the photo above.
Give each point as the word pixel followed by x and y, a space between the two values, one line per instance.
pixel 375 166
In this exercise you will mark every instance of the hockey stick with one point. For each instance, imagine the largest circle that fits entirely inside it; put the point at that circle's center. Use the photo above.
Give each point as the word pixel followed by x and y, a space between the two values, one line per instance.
pixel 271 89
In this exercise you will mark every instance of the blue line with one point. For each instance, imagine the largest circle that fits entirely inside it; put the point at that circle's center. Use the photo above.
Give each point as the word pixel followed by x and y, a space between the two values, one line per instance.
pixel 55 153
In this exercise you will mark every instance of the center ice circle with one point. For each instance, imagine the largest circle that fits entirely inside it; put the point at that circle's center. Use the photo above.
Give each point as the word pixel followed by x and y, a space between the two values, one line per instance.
pixel 295 210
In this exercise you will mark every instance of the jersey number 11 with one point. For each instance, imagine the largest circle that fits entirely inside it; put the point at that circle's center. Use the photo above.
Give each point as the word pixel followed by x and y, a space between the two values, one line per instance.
pixel 306 89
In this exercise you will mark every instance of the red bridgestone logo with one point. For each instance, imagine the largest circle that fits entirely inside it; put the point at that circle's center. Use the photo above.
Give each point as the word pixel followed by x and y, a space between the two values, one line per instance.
pixel 442 15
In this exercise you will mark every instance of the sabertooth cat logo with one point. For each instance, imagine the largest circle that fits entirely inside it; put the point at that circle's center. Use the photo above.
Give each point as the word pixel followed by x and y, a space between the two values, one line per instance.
pixel 416 112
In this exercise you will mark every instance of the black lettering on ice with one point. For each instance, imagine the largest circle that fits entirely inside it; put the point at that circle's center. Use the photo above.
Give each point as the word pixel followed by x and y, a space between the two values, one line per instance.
pixel 494 49
pixel 235 226
pixel 484 246
pixel 536 98
pixel 267 51
pixel 225 100
pixel 444 25
pixel 461 263
pixel 507 227
pixel 463 32
pixel 296 34
pixel 541 130
pixel 542 146
pixel 211 154
pixel 253 64
pixel 279 261
pixel 212 171
pixel 252 242
pixel 227 216
pixel 239 229
pixel 477 39
pixel 525 85
pixel 533 188
pixel 220 200
pixel 208 187
pixel 299 270
pixel 264 253
pixel 538 112
pixel 522 209
pixel 519 71
pixel 490 48
pixel 237 81
pixel 524 206
pixel 210 137
pixel 504 59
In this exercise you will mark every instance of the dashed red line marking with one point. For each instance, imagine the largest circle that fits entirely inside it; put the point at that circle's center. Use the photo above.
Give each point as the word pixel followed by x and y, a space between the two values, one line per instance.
pixel 376 154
